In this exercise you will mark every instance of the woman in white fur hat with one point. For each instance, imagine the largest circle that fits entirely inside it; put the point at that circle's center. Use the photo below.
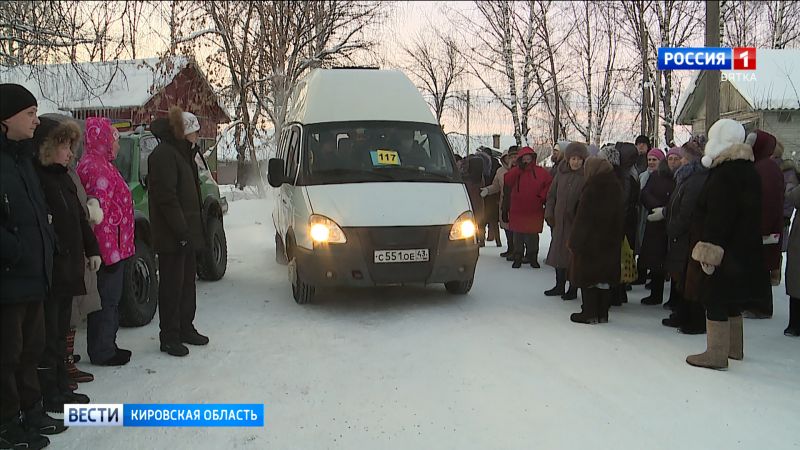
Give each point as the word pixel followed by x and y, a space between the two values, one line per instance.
pixel 726 267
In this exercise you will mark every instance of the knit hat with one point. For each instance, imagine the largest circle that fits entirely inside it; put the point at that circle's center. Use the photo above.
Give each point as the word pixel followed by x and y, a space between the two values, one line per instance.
pixel 691 150
pixel 15 98
pixel 190 123
pixel 610 153
pixel 576 149
pixel 656 153
pixel 722 135
pixel 675 151
pixel 642 139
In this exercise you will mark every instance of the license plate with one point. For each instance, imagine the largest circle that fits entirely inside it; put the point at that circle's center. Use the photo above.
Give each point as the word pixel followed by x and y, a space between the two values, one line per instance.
pixel 401 256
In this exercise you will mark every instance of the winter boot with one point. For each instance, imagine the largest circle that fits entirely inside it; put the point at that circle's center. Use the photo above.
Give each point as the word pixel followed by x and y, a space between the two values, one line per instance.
pixel 718 342
pixel 76 374
pixel 692 318
pixel 737 338
pixel 192 337
pixel 517 263
pixel 604 304
pixel 561 281
pixel 36 420
pixel 589 307
pixel 571 294
pixel 14 436
pixel 793 330
pixel 672 321
pixel 174 348
pixel 656 296
pixel 535 264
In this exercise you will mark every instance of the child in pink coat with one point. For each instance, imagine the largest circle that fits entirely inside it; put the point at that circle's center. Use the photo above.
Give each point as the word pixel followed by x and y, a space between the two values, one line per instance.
pixel 115 235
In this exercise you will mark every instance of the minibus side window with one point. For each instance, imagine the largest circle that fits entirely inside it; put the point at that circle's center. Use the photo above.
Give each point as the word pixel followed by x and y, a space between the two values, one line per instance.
pixel 292 155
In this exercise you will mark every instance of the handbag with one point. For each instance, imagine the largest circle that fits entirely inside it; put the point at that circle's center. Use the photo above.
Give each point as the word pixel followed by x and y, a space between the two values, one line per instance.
pixel 628 261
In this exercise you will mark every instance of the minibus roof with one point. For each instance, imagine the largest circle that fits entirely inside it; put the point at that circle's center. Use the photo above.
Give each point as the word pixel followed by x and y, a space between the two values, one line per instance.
pixel 341 95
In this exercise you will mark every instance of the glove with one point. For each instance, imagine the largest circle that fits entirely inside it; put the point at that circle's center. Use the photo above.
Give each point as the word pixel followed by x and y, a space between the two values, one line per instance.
pixel 656 216
pixel 95 212
pixel 94 263
pixel 484 192
pixel 708 268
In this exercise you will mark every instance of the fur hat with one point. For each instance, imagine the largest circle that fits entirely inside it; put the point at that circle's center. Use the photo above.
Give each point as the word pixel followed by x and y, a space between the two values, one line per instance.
pixel 763 144
pixel 642 139
pixel 722 135
pixel 51 133
pixel 610 153
pixel 576 149
pixel 15 98
pixel 190 123
pixel 656 153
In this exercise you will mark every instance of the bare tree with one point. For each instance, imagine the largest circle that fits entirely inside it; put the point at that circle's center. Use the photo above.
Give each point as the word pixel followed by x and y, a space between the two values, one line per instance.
pixel 299 36
pixel 547 65
pixel 494 55
pixel 740 19
pixel 437 66
pixel 596 42
pixel 783 18
pixel 39 31
pixel 679 23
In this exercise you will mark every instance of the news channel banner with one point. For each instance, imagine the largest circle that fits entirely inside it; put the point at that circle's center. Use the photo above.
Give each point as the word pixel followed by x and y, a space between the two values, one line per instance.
pixel 164 415
pixel 707 58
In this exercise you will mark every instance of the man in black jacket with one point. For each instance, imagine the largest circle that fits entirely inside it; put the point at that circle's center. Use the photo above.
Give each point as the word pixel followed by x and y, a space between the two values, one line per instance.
pixel 26 264
pixel 176 218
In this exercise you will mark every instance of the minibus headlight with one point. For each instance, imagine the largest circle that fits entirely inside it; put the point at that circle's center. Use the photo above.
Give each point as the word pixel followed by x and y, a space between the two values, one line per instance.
pixel 325 231
pixel 464 227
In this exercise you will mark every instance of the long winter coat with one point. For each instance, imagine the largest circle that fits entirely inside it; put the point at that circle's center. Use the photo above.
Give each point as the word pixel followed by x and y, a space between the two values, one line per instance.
pixel 772 192
pixel 791 179
pixel 89 302
pixel 656 194
pixel 496 188
pixel 680 214
pixel 174 189
pixel 644 177
pixel 473 180
pixel 727 223
pixel 27 240
pixel 793 253
pixel 562 203
pixel 74 237
pixel 101 180
pixel 594 241
pixel 528 189
pixel 630 189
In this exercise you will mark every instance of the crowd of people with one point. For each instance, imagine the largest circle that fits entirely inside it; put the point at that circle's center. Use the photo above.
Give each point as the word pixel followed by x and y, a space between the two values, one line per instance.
pixel 711 218
pixel 67 234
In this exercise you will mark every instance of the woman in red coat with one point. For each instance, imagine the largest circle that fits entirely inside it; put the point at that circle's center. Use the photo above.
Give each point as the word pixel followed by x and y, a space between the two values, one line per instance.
pixel 528 185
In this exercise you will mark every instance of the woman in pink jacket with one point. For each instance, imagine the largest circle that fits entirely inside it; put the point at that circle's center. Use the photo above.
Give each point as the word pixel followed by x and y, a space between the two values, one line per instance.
pixel 114 235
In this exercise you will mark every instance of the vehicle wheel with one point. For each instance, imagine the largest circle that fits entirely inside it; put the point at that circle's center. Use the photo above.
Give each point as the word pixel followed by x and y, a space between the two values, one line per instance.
pixel 280 251
pixel 214 260
pixel 140 288
pixel 459 287
pixel 302 292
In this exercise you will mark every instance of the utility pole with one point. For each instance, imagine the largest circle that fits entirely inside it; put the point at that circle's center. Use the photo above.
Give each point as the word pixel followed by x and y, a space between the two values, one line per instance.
pixel 467 122
pixel 712 76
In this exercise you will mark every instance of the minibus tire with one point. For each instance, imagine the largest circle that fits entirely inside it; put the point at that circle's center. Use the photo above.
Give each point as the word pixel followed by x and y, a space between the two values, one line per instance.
pixel 459 287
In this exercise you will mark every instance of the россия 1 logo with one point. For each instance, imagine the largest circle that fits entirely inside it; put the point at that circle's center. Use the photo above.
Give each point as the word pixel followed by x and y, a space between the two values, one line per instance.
pixel 703 58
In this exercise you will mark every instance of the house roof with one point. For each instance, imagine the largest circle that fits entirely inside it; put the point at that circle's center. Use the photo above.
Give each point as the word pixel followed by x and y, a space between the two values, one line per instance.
pixel 775 84
pixel 98 85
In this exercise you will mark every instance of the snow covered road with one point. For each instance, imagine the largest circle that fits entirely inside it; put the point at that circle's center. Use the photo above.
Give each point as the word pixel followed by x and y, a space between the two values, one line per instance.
pixel 416 368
